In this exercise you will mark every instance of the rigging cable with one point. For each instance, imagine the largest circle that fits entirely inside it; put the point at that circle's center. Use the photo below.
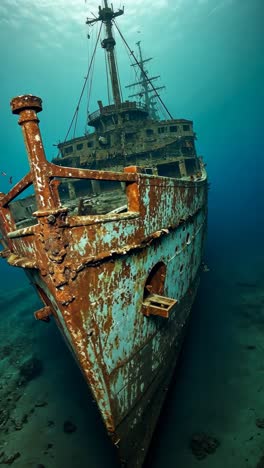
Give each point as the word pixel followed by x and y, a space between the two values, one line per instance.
pixel 91 80
pixel 76 120
pixel 84 86
pixel 88 82
pixel 143 71
pixel 90 86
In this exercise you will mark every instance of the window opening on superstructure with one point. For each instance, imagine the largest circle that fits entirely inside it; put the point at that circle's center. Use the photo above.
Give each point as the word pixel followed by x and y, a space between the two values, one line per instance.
pixel 186 127
pixel 68 150
pixel 191 166
pixel 148 170
pixel 149 131
pixel 129 137
pixel 169 170
pixel 162 129
pixel 79 146
pixel 173 128
pixel 90 144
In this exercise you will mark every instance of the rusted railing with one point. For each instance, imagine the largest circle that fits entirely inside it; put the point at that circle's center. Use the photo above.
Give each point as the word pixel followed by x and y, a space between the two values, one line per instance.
pixel 42 173
pixel 127 105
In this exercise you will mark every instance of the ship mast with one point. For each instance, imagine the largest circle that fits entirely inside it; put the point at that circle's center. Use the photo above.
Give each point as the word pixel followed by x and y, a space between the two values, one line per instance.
pixel 106 15
pixel 142 76
pixel 144 82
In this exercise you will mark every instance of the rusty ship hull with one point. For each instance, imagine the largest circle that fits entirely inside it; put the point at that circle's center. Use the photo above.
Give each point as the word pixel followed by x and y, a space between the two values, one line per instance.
pixel 119 285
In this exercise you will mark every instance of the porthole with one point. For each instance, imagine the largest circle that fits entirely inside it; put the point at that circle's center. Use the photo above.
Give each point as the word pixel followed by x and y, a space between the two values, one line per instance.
pixel 155 281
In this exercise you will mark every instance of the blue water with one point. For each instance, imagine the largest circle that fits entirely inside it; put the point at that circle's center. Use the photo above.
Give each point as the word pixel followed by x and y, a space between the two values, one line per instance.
pixel 210 56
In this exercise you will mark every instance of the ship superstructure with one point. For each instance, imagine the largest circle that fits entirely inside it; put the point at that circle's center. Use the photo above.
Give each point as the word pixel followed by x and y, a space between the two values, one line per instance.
pixel 130 132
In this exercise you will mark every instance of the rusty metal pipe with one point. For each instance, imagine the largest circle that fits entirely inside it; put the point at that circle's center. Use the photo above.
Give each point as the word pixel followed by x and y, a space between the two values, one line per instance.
pixel 27 107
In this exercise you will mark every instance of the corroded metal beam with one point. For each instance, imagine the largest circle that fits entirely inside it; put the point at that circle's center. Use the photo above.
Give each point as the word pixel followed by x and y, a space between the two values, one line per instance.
pixel 27 107
pixel 19 188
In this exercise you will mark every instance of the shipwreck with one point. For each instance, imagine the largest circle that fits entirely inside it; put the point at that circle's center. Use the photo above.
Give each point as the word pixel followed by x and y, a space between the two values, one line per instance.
pixel 112 240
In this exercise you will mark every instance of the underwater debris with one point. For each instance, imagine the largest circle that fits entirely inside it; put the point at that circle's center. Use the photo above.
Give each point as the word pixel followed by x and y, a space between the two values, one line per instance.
pixel 4 416
pixel 260 423
pixel 8 460
pixel 19 423
pixel 40 403
pixel 5 351
pixel 69 427
pixel 202 444
pixel 31 369
pixel 47 448
pixel 50 423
